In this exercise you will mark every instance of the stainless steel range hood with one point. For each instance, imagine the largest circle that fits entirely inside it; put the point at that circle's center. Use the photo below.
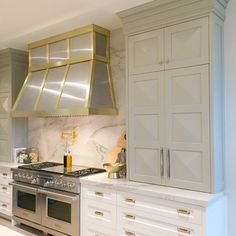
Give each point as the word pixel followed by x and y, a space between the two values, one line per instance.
pixel 69 75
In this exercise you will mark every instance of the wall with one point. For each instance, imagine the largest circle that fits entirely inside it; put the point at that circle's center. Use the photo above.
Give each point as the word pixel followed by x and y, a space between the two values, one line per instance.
pixel 97 135
pixel 230 113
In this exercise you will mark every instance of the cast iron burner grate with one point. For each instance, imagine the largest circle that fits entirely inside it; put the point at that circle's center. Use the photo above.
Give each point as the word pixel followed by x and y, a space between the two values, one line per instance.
pixel 84 172
pixel 38 166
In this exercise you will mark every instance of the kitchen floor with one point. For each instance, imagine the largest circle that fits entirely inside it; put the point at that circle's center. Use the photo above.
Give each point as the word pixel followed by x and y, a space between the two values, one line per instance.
pixel 22 229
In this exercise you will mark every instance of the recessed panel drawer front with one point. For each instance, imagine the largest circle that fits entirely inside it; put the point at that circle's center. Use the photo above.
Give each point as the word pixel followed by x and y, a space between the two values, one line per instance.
pixel 169 209
pixel 6 207
pixel 5 195
pixel 138 223
pixel 95 230
pixel 5 173
pixel 100 195
pixel 5 190
pixel 99 213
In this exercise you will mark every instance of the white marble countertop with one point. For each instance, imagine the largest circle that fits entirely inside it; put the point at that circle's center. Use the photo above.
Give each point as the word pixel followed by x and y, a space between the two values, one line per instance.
pixel 9 164
pixel 167 193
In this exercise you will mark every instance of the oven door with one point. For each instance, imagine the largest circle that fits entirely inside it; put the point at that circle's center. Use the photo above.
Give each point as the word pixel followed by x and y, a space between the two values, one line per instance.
pixel 60 211
pixel 26 202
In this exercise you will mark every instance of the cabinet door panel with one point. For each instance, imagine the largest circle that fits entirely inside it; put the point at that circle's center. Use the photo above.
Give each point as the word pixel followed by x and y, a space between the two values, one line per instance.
pixel 4 150
pixel 187 103
pixel 4 104
pixel 145 127
pixel 4 127
pixel 5 79
pixel 146 52
pixel 186 44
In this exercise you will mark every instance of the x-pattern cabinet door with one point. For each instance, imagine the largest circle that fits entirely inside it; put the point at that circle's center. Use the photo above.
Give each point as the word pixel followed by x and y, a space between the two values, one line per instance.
pixel 187 128
pixel 146 52
pixel 186 44
pixel 146 124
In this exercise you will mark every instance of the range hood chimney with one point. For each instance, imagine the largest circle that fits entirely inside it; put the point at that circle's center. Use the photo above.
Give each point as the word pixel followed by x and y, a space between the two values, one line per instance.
pixel 69 75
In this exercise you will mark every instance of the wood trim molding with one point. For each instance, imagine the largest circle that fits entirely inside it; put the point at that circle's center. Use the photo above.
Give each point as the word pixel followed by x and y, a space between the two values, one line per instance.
pixel 160 13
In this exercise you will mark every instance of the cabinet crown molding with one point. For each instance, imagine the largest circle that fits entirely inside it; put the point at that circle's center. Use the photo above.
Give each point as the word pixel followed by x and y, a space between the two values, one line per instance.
pixel 11 55
pixel 161 13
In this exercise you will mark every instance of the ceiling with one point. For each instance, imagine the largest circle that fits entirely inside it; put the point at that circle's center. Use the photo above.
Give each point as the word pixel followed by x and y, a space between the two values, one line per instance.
pixel 25 21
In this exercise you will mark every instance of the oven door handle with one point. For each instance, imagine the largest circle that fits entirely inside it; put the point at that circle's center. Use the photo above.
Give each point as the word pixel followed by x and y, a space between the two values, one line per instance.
pixel 73 198
pixel 24 186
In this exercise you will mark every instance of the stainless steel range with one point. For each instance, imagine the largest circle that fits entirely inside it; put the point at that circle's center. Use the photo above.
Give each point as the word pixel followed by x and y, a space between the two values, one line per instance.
pixel 46 196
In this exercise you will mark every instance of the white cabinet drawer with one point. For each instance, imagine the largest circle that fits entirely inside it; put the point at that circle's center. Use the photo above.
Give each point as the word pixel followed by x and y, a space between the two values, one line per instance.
pixel 100 213
pixel 5 173
pixel 5 190
pixel 6 207
pixel 172 210
pixel 99 194
pixel 95 230
pixel 133 223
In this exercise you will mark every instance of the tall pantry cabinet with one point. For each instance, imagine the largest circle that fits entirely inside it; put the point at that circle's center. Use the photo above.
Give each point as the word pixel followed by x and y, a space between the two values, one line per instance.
pixel 175 93
pixel 13 131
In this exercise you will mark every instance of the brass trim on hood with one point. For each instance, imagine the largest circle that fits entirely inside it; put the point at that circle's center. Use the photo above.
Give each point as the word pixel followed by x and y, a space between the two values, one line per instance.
pixel 97 36
pixel 67 112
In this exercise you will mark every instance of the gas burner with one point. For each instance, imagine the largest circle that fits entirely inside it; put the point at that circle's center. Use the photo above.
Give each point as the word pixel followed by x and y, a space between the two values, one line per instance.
pixel 39 166
pixel 84 172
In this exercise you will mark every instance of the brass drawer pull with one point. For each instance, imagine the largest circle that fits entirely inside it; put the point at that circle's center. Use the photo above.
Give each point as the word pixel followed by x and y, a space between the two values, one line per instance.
pixel 130 200
pixel 4 174
pixel 184 230
pixel 183 212
pixel 131 217
pixel 99 194
pixel 4 205
pixel 99 213
pixel 129 233
pixel 4 188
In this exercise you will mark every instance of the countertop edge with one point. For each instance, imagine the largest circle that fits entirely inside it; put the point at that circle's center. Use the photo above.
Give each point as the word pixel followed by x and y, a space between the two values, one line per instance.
pixel 166 193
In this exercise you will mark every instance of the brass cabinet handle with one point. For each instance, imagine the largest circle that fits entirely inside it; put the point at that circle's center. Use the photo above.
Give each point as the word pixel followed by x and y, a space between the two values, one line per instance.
pixel 129 233
pixel 130 200
pixel 168 163
pixel 131 217
pixel 162 162
pixel 99 194
pixel 4 174
pixel 183 211
pixel 161 62
pixel 183 230
pixel 4 205
pixel 99 213
pixel 4 188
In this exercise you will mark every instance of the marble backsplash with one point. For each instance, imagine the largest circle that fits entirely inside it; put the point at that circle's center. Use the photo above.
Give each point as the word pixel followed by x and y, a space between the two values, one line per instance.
pixel 96 135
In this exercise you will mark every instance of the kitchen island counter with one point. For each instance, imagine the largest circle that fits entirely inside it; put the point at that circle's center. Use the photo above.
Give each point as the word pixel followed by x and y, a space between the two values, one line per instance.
pixel 166 193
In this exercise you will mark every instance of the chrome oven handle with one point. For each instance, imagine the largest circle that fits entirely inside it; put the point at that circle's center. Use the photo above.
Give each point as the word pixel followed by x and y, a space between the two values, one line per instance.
pixel 73 198
pixel 23 186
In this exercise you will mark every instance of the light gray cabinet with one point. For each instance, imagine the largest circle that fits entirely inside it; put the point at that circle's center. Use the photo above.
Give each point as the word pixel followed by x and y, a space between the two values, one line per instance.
pixel 175 94
pixel 13 131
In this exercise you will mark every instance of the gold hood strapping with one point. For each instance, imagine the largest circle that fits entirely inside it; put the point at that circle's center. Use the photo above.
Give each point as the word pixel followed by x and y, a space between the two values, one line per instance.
pixel 69 75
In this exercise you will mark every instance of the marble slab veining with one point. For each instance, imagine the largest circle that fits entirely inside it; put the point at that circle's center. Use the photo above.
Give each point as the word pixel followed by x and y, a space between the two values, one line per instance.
pixel 157 191
pixel 97 135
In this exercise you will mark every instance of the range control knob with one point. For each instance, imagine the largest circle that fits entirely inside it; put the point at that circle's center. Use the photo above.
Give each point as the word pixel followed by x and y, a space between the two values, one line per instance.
pixel 35 181
pixel 58 183
pixel 29 177
pixel 71 186
pixel 16 175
